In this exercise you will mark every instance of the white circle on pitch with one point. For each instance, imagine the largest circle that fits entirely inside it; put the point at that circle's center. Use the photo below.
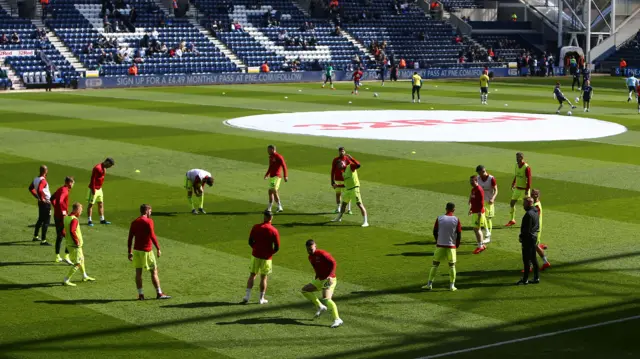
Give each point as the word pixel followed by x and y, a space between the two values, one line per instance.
pixel 432 126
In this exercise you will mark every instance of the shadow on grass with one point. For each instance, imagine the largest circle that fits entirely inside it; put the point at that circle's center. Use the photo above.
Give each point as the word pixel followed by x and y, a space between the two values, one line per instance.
pixel 83 301
pixel 35 263
pixel 18 286
pixel 302 214
pixel 470 228
pixel 305 224
pixel 273 320
pixel 411 254
pixel 415 243
pixel 19 243
pixel 201 305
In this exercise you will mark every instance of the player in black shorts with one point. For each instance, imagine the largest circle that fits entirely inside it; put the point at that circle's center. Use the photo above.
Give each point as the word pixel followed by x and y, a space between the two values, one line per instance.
pixel 587 93
pixel 557 93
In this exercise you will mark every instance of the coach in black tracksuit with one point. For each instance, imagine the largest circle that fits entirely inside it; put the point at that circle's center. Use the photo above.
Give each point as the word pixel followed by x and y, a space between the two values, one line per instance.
pixel 528 238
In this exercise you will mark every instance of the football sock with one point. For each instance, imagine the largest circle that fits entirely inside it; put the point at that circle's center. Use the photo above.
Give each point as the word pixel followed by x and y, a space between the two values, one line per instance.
pixel 339 207
pixel 332 307
pixel 102 218
pixel 312 298
pixel 140 291
pixel 270 205
pixel 262 295
pixel 71 272
pixel 432 273
pixel 349 206
pixel 201 201
pixel 248 293
pixel 366 219
pixel 190 199
pixel 490 225
pixel 544 259
pixel 45 227
pixel 90 220
pixel 159 290
pixel 84 271
pixel 452 274
pixel 512 212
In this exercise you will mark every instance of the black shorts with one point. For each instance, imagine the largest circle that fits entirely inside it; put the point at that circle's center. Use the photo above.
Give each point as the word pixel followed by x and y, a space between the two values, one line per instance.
pixel 632 89
pixel 484 90
pixel 561 100
pixel 416 88
pixel 59 226
pixel 44 212
pixel 328 78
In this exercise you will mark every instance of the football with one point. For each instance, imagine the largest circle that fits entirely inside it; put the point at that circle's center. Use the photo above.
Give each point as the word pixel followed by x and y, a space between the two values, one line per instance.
pixel 577 99
pixel 375 94
pixel 569 113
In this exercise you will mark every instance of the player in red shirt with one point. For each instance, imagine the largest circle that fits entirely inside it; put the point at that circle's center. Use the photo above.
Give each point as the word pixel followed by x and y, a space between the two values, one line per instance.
pixel 325 267
pixel 39 189
pixel 95 189
pixel 476 211
pixel 142 255
pixel 60 203
pixel 337 178
pixel 357 75
pixel 276 162
pixel 264 240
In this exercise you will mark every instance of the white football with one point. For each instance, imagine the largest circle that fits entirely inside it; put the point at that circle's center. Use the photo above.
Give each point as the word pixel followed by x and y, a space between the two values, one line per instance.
pixel 375 94
pixel 569 113
pixel 577 99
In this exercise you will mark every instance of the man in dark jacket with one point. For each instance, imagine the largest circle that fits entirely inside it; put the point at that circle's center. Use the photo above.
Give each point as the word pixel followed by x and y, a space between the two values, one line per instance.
pixel 528 237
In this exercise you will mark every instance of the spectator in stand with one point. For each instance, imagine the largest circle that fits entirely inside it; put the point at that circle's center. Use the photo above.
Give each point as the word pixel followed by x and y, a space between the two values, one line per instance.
pixel 491 53
pixel 154 34
pixel 550 64
pixel 3 39
pixel 514 17
pixel 457 39
pixel 178 52
pixel 133 70
pixel 416 65
pixel 192 49
pixel 282 35
pixel 461 60
pixel 623 67
pixel 15 39
pixel 133 15
pixel 88 48
pixel 174 5
pixel 137 57
pixel 172 52
pixel 237 27
pixel 264 67
pixel 333 5
pixel 304 27
pixel 337 31
pixel 402 64
pixel 45 8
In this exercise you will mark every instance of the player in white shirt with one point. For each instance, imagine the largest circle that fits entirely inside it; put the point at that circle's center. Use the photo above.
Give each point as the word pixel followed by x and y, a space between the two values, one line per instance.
pixel 39 189
pixel 194 182
pixel 490 187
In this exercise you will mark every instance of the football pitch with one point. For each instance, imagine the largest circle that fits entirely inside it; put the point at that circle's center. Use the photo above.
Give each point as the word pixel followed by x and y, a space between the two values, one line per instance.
pixel 587 304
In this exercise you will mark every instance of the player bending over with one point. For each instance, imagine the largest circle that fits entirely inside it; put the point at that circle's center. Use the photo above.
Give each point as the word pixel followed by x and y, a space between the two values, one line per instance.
pixel 328 76
pixel 356 76
pixel 73 239
pixel 558 95
pixel 448 233
pixel 194 183
pixel 142 231
pixel 416 85
pixel 587 94
pixel 325 267
pixel 352 188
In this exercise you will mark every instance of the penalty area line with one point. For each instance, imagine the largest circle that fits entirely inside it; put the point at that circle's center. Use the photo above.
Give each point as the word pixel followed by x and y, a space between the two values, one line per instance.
pixel 635 317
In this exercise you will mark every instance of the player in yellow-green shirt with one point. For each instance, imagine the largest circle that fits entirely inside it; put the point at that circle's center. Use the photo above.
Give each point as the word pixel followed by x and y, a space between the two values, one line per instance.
pixel 352 188
pixel 416 82
pixel 540 247
pixel 73 238
pixel 520 187
pixel 484 87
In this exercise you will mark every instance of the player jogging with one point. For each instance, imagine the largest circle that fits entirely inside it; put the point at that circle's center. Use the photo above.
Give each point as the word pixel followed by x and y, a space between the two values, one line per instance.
pixel 276 163
pixel 540 247
pixel 264 240
pixel 490 188
pixel 476 211
pixel 632 82
pixel 328 76
pixel 194 182
pixel 325 267
pixel 416 85
pixel 576 80
pixel 337 179
pixel 73 239
pixel 143 237
pixel 351 188
pixel 60 203
pixel 587 94
pixel 95 194
pixel 484 87
pixel 356 76
pixel 558 95
pixel 520 187
pixel 39 188
pixel 448 233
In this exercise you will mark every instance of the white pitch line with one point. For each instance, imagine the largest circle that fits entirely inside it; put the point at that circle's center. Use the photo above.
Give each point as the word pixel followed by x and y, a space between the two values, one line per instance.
pixel 531 337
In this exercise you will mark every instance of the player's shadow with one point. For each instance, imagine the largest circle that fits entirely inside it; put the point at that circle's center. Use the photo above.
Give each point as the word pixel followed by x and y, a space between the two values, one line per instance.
pixel 34 263
pixel 302 213
pixel 230 213
pixel 18 243
pixel 194 305
pixel 304 224
pixel 83 301
pixel 165 214
pixel 488 274
pixel 411 254
pixel 18 286
pixel 399 290
pixel 415 243
pixel 272 320
pixel 470 228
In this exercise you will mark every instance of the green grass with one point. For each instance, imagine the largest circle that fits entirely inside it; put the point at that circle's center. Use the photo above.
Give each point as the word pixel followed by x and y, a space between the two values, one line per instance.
pixel 589 189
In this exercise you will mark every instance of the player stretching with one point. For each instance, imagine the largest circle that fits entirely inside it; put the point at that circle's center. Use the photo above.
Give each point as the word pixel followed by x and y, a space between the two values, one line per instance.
pixel 352 188
pixel 39 188
pixel 484 87
pixel 276 162
pixel 416 85
pixel 142 230
pixel 520 186
pixel 558 95
pixel 540 247
pixel 95 194
pixel 194 182
pixel 60 203
pixel 490 188
pixel 357 75
pixel 476 211
pixel 632 82
pixel 328 76
pixel 587 94
pixel 325 267
pixel 448 232
pixel 337 179
pixel 73 239
pixel 264 240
